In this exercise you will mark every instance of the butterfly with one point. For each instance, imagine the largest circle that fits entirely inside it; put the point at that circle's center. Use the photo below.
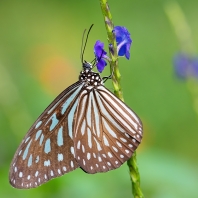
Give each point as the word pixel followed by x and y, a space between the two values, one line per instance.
pixel 85 126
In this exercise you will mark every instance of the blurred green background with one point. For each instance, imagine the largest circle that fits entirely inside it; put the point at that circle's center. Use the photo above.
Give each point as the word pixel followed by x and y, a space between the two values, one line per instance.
pixel 40 45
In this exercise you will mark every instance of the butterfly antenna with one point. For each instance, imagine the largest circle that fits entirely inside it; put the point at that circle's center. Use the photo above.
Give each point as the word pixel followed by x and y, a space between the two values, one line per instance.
pixel 83 48
pixel 95 60
pixel 81 54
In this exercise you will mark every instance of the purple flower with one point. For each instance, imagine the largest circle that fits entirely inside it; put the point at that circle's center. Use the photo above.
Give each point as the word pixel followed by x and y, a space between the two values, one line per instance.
pixel 195 67
pixel 185 66
pixel 181 63
pixel 123 40
pixel 100 55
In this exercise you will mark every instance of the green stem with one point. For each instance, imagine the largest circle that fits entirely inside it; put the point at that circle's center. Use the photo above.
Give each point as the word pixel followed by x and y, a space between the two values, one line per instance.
pixel 135 176
pixel 180 25
pixel 113 51
pixel 132 162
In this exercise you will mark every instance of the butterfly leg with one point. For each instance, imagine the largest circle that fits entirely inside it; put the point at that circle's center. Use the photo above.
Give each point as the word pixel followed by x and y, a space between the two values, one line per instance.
pixel 104 79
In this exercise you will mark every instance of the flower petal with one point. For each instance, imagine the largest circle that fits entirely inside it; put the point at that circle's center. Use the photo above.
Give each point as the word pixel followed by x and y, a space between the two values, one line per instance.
pixel 122 51
pixel 98 49
pixel 101 65
pixel 123 40
pixel 100 55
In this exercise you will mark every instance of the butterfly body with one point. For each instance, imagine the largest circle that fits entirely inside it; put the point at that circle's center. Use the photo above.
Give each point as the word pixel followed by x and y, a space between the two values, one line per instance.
pixel 90 78
pixel 85 126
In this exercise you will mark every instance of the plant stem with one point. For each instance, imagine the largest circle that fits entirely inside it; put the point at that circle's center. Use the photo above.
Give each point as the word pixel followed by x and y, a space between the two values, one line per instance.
pixel 180 25
pixel 113 50
pixel 132 162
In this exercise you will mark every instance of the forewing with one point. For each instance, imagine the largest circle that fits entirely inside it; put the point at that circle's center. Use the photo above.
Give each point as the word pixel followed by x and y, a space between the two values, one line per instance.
pixel 107 132
pixel 47 150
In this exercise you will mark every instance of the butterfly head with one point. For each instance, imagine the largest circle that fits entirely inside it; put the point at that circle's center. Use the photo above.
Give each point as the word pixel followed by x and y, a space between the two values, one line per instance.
pixel 87 66
pixel 87 75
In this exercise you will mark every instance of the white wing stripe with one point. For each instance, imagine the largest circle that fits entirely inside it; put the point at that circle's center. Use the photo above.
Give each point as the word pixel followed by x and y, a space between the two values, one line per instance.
pixel 88 113
pixel 83 128
pixel 113 134
pixel 120 118
pixel 70 118
pixel 56 104
pixel 69 100
pixel 118 101
pixel 98 145
pixel 54 121
pixel 96 116
pixel 120 112
pixel 89 138
pixel 26 150
pixel 105 141
pixel 60 136
pixel 103 110
pixel 64 96
pixel 38 124
pixel 82 109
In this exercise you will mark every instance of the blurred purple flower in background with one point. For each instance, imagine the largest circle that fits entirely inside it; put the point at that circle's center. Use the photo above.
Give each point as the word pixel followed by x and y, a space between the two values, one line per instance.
pixel 181 63
pixel 185 66
pixel 123 40
pixel 195 67
pixel 100 54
